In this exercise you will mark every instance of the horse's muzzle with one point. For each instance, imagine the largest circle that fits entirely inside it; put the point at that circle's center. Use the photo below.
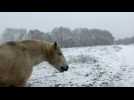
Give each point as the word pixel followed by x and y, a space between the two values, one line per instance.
pixel 64 68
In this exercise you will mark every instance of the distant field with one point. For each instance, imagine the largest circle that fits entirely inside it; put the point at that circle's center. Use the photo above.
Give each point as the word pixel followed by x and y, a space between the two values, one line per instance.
pixel 100 66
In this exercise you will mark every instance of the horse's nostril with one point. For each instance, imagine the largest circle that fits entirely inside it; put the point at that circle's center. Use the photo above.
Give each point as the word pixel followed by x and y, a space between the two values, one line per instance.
pixel 65 68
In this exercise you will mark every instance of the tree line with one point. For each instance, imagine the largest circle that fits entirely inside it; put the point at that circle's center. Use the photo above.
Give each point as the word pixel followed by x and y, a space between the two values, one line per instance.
pixel 64 36
pixel 125 41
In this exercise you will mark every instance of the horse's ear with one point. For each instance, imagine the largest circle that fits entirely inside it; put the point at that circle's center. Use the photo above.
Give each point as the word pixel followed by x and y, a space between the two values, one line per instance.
pixel 55 45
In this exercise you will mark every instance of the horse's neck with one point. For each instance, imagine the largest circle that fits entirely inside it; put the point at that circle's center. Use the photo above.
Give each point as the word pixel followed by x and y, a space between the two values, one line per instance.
pixel 37 57
pixel 35 54
pixel 37 60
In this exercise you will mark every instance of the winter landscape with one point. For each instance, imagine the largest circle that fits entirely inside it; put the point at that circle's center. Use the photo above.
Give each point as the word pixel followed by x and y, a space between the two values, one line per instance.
pixel 98 49
pixel 100 66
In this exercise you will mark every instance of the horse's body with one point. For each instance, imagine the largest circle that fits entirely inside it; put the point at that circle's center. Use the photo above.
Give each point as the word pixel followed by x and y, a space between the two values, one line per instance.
pixel 18 58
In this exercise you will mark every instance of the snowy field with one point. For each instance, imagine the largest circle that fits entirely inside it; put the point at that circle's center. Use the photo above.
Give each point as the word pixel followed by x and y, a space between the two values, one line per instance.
pixel 100 66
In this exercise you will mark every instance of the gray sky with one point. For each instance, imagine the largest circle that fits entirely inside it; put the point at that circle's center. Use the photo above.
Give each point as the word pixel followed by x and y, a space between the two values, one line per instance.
pixel 121 24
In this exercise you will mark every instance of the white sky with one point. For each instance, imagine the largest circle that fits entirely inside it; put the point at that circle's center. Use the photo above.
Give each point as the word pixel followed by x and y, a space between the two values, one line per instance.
pixel 121 24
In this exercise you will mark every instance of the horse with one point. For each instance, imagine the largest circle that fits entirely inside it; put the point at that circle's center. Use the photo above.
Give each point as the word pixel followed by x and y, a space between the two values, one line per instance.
pixel 17 59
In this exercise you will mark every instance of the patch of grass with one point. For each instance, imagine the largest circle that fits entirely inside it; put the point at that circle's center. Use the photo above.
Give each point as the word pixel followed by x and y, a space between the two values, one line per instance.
pixel 82 59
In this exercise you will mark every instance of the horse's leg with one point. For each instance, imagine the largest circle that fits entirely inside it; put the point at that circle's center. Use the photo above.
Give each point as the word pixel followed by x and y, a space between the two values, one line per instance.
pixel 3 85
pixel 20 84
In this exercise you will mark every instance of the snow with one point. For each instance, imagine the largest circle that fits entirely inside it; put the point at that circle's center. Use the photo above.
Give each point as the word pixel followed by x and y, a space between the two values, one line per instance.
pixel 100 66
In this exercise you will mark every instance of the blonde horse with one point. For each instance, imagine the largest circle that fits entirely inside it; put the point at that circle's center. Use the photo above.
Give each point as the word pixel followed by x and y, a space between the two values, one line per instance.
pixel 18 58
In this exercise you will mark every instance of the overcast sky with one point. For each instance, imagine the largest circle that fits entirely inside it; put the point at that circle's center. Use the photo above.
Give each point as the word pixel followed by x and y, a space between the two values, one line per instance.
pixel 121 24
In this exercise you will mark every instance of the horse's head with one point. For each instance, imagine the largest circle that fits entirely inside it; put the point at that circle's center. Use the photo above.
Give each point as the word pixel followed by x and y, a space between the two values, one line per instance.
pixel 56 58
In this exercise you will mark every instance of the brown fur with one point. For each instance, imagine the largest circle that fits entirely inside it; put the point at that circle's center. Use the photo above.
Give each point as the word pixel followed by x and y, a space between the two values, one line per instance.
pixel 18 58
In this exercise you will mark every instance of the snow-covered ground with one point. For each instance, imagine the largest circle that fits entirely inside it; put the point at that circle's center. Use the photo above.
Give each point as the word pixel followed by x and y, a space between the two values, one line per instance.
pixel 100 66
